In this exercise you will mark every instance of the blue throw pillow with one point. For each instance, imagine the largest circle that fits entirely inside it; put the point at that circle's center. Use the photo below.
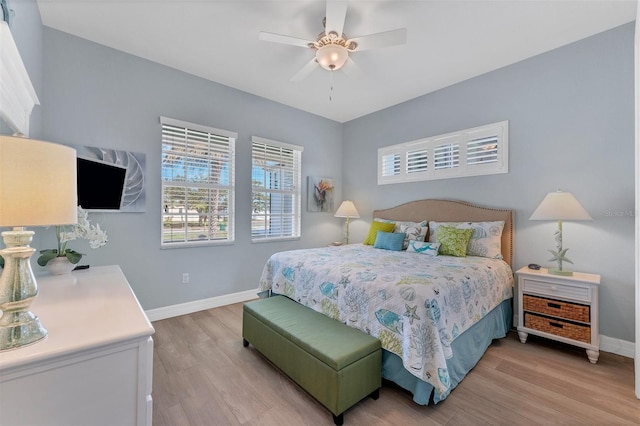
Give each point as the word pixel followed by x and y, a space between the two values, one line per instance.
pixel 389 240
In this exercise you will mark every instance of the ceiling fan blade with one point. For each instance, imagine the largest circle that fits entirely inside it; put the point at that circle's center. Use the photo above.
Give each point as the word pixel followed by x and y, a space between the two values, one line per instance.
pixel 335 16
pixel 279 38
pixel 385 39
pixel 351 69
pixel 305 71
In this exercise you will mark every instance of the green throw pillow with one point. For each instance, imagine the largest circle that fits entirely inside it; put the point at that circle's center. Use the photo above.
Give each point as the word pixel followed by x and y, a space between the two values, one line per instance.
pixel 373 231
pixel 453 241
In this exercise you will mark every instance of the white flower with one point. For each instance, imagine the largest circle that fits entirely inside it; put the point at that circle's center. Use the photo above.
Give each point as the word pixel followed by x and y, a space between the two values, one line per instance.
pixel 69 236
pixel 82 230
pixel 96 236
pixel 65 233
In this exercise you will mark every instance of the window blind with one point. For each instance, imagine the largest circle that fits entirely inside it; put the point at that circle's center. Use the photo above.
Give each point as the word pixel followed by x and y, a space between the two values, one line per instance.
pixel 198 172
pixel 276 190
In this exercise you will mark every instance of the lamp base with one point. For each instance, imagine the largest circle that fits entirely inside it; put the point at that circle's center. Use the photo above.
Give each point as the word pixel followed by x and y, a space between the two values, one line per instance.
pixel 18 288
pixel 20 329
pixel 563 272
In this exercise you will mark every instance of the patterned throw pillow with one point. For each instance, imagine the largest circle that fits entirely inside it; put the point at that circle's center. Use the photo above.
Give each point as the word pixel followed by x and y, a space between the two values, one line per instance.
pixel 486 240
pixel 415 231
pixel 389 241
pixel 454 241
pixel 373 231
pixel 421 247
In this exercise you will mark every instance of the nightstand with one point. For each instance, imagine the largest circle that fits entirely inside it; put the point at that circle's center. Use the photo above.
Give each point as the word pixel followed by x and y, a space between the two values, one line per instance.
pixel 562 308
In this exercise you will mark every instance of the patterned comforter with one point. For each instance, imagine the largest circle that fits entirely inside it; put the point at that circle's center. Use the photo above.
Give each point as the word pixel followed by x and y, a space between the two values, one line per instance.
pixel 415 304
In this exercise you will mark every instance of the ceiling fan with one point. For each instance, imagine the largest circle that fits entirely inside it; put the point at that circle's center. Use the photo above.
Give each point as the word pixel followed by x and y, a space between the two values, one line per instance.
pixel 332 46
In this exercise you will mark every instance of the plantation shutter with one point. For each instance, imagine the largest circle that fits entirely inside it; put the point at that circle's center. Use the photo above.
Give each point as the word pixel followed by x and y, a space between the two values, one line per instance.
pixel 473 152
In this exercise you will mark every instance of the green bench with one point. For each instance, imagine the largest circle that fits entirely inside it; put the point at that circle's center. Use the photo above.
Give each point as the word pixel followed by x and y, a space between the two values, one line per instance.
pixel 336 364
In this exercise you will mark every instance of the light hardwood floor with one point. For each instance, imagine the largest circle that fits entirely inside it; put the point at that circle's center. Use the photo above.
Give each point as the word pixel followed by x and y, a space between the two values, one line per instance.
pixel 203 376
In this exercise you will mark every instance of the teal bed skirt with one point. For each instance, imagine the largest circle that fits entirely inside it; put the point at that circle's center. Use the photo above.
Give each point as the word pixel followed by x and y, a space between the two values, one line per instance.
pixel 468 348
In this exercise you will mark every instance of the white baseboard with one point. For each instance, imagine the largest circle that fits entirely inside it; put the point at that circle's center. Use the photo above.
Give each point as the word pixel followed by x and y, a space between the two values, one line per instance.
pixel 199 305
pixel 617 346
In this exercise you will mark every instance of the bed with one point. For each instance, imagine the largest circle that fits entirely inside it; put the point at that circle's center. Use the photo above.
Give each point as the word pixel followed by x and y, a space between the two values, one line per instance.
pixel 435 315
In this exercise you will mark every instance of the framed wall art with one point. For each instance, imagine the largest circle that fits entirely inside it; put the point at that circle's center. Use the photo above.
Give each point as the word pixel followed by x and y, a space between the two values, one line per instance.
pixel 319 194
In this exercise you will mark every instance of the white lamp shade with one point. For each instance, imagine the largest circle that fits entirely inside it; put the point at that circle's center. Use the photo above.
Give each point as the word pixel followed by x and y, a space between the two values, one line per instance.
pixel 332 56
pixel 560 206
pixel 38 184
pixel 347 209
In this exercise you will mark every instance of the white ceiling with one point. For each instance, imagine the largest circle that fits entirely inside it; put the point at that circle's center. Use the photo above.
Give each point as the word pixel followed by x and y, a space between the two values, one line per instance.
pixel 448 41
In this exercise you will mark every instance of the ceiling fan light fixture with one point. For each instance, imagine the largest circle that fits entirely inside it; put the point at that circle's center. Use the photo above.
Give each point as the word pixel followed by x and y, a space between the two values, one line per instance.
pixel 332 57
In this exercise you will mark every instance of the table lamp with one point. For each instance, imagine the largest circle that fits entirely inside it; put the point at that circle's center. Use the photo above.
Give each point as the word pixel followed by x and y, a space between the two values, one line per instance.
pixel 560 206
pixel 37 188
pixel 347 209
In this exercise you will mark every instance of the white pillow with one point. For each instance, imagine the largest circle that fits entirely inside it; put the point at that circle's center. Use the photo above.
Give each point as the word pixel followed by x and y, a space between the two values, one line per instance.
pixel 414 231
pixel 430 249
pixel 485 240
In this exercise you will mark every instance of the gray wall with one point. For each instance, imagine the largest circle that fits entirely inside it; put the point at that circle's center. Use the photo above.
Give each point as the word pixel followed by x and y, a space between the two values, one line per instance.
pixel 98 96
pixel 571 124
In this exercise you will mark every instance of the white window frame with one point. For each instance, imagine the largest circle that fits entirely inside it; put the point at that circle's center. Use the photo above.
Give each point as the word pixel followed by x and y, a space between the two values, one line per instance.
pixel 412 168
pixel 295 190
pixel 229 164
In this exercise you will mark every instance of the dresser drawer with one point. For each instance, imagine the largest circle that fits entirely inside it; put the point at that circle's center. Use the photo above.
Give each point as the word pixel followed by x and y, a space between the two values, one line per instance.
pixel 581 333
pixel 557 308
pixel 561 291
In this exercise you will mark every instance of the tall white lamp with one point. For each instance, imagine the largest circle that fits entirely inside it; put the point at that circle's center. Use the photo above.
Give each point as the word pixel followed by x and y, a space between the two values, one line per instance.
pixel 347 209
pixel 37 188
pixel 560 206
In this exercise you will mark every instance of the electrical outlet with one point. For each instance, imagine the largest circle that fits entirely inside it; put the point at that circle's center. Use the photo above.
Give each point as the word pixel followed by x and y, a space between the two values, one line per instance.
pixel 185 278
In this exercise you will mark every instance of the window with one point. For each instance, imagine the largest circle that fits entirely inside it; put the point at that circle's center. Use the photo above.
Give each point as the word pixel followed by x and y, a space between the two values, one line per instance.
pixel 276 195
pixel 198 173
pixel 479 151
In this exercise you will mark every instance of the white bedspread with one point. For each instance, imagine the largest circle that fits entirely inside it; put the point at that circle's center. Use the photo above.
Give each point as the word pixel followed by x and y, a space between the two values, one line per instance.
pixel 415 304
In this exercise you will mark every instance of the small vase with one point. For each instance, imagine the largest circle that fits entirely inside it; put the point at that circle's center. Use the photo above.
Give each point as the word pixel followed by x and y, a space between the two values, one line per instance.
pixel 60 266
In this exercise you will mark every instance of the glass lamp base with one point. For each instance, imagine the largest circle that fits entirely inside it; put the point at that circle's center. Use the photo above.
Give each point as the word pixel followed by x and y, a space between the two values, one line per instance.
pixel 563 272
pixel 19 329
pixel 18 288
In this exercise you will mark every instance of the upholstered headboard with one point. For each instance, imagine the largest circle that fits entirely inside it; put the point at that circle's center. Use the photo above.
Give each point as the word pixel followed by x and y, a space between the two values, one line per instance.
pixel 454 211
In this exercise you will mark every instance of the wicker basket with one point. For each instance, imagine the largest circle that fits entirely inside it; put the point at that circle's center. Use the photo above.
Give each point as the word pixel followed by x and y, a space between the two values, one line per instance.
pixel 557 308
pixel 557 327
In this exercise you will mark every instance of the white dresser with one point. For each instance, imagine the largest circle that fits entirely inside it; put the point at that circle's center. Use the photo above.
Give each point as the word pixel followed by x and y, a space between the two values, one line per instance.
pixel 95 366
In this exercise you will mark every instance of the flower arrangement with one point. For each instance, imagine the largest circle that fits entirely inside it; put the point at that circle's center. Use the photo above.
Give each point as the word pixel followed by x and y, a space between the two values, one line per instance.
pixel 65 233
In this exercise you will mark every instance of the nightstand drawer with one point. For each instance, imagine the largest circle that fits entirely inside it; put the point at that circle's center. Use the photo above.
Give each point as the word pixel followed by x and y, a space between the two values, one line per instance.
pixel 557 308
pixel 581 333
pixel 581 293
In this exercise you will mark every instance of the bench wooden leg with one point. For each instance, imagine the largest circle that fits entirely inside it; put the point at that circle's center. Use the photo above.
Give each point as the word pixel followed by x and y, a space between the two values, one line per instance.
pixel 375 394
pixel 245 343
pixel 338 420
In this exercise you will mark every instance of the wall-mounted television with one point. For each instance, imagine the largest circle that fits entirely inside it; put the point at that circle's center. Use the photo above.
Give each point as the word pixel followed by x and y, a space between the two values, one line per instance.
pixel 100 184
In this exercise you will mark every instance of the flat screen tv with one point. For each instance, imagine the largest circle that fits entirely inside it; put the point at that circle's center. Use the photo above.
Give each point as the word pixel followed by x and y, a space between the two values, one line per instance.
pixel 100 184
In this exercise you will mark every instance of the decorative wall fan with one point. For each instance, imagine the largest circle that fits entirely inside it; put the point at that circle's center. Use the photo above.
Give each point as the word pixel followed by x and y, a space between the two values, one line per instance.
pixel 332 46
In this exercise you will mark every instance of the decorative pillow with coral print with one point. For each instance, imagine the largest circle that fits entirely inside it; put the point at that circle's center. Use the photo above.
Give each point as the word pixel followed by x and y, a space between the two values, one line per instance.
pixel 421 247
pixel 453 241
pixel 414 231
pixel 486 240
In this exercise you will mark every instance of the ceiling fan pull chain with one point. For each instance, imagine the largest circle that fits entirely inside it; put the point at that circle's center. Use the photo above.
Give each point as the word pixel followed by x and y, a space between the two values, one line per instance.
pixel 330 85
